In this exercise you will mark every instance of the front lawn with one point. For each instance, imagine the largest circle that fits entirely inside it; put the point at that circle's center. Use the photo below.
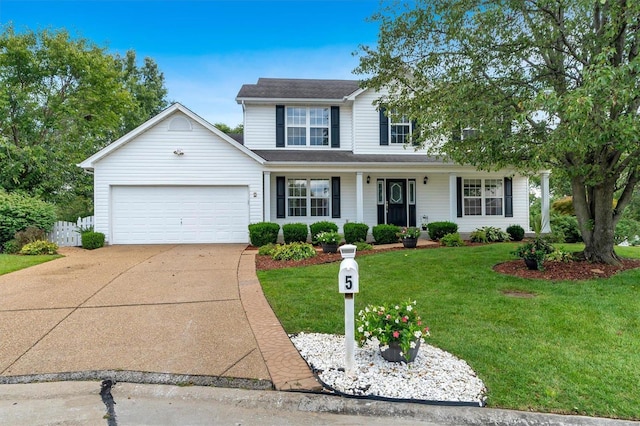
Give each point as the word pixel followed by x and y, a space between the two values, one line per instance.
pixel 10 262
pixel 565 347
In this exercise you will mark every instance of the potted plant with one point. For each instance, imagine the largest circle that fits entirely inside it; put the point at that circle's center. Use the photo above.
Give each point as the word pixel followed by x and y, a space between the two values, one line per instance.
pixel 397 327
pixel 329 241
pixel 534 253
pixel 409 236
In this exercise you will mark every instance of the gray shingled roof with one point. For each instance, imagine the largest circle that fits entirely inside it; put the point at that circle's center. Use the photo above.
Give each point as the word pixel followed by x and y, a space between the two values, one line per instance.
pixel 309 156
pixel 289 88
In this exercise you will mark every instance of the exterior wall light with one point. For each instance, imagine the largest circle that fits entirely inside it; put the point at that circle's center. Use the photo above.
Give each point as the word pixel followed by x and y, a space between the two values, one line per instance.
pixel 178 151
pixel 368 179
pixel 425 180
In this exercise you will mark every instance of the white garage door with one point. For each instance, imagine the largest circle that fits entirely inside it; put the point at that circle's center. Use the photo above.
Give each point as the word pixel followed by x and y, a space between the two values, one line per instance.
pixel 179 214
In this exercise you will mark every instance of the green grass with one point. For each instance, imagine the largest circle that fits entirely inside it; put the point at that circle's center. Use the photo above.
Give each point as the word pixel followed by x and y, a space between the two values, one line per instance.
pixel 10 262
pixel 574 348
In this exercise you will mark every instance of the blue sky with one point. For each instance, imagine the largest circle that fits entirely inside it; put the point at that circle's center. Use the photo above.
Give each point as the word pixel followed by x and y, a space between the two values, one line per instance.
pixel 208 48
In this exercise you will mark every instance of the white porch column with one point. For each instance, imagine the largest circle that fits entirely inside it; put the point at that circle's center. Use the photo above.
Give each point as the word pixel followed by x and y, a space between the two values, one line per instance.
pixel 359 198
pixel 453 200
pixel 544 189
pixel 266 196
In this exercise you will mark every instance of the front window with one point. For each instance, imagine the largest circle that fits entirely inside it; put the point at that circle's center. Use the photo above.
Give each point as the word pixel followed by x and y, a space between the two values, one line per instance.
pixel 308 197
pixel 400 128
pixel 307 126
pixel 475 196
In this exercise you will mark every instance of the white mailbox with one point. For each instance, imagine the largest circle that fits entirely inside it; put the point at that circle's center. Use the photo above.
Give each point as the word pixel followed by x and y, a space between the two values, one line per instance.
pixel 348 277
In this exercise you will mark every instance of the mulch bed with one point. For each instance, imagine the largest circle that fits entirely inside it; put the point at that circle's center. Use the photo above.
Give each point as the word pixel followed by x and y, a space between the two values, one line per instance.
pixel 553 271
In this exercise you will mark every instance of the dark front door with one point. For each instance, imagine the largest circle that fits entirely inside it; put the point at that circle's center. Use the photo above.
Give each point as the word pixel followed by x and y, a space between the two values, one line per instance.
pixel 397 202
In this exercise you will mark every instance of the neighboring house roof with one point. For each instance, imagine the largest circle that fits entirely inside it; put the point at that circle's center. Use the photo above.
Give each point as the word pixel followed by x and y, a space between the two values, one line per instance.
pixel 88 164
pixel 300 156
pixel 290 88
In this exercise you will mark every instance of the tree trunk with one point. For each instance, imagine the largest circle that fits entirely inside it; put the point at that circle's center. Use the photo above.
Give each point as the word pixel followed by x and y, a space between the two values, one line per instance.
pixel 594 209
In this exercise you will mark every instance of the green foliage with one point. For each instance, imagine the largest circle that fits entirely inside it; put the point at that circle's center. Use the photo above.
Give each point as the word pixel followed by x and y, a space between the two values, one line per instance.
pixel 19 212
pixel 629 230
pixel 39 248
pixel 516 232
pixel 294 251
pixel 239 129
pixel 329 237
pixel 564 206
pixel 478 236
pixel 535 250
pixel 438 230
pixel 408 232
pixel 295 232
pixel 61 99
pixel 267 249
pixel 29 235
pixel 567 227
pixel 559 255
pixel 542 89
pixel 452 240
pixel 92 240
pixel 361 246
pixel 263 233
pixel 385 234
pixel 323 226
pixel 354 232
pixel 489 234
pixel 12 247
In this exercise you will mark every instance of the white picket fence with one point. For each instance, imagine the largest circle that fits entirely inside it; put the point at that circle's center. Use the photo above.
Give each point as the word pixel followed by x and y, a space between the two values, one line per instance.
pixel 67 234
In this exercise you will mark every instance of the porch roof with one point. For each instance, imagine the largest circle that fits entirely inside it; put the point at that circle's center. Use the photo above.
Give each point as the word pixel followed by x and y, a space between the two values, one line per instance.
pixel 341 157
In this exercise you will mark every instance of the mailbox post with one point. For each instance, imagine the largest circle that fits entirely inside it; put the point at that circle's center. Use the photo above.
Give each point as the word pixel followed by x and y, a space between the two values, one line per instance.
pixel 348 284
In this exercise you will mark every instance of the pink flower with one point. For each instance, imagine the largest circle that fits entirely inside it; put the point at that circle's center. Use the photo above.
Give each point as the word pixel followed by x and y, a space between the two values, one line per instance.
pixel 405 319
pixel 396 334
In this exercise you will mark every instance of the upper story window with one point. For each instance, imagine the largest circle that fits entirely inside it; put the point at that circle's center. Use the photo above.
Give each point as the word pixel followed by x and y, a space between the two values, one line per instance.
pixel 399 128
pixel 307 126
pixel 476 195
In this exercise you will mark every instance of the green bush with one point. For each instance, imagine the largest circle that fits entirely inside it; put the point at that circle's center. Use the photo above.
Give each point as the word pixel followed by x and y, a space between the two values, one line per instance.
pixel 567 226
pixel 361 246
pixel 516 232
pixel 18 212
pixel 39 247
pixel 385 234
pixel 295 233
pixel 29 235
pixel 452 240
pixel 11 247
pixel 267 249
pixel 492 234
pixel 477 236
pixel 294 251
pixel 627 229
pixel 438 230
pixel 318 227
pixel 92 240
pixel 354 232
pixel 263 233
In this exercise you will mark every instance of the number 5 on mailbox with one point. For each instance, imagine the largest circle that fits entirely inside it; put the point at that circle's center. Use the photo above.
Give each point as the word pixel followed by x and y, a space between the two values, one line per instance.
pixel 348 278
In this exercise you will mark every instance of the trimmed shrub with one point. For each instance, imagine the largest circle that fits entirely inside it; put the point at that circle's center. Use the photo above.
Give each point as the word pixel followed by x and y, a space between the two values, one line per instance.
pixel 263 233
pixel 92 240
pixel 438 230
pixel 11 247
pixel 452 240
pixel 318 227
pixel 39 247
pixel 294 251
pixel 295 232
pixel 516 232
pixel 19 212
pixel 385 234
pixel 567 226
pixel 354 232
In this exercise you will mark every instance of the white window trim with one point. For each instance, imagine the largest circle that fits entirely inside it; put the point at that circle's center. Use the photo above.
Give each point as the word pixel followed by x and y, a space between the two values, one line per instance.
pixel 393 122
pixel 483 198
pixel 307 126
pixel 308 197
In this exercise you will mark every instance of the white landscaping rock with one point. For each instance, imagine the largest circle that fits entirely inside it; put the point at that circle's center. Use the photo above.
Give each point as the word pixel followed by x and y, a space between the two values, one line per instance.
pixel 435 375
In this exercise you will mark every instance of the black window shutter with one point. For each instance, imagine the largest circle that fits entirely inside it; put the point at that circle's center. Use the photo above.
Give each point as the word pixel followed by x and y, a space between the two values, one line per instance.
pixel 414 132
pixel 459 195
pixel 280 126
pixel 335 197
pixel 508 197
pixel 335 127
pixel 384 127
pixel 281 191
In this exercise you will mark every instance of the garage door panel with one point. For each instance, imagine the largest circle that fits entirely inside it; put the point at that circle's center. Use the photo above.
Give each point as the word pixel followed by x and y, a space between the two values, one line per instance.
pixel 179 214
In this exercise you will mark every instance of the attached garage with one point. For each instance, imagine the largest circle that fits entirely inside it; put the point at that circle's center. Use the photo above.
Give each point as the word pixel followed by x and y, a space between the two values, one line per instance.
pixel 179 214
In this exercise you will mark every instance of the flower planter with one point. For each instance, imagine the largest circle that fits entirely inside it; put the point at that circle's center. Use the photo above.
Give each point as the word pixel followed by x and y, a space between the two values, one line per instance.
pixel 531 264
pixel 392 353
pixel 329 248
pixel 409 242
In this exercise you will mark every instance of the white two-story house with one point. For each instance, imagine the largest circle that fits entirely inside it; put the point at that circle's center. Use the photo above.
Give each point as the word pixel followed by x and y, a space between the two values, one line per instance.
pixel 312 150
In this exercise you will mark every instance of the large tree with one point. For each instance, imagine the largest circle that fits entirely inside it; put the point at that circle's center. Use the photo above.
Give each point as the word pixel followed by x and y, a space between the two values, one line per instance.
pixel 62 99
pixel 546 84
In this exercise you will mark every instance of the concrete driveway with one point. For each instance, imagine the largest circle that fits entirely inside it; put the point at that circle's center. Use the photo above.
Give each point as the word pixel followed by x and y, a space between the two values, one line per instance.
pixel 169 309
